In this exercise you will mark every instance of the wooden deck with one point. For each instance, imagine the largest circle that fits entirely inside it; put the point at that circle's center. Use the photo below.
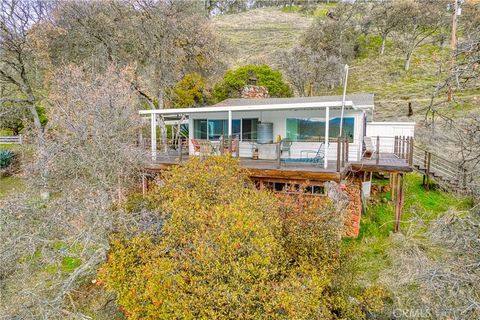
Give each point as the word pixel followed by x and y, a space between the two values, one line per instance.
pixel 301 172
pixel 268 169
pixel 388 162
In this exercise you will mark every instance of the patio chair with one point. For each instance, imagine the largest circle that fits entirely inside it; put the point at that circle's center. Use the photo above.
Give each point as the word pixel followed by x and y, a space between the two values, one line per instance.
pixel 196 147
pixel 235 145
pixel 317 159
pixel 285 146
pixel 370 149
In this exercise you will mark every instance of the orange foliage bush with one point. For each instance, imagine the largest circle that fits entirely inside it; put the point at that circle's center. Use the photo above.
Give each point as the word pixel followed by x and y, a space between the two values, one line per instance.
pixel 227 251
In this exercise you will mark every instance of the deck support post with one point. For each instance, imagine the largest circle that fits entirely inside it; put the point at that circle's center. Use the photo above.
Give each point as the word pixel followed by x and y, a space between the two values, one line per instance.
pixel 327 129
pixel 392 186
pixel 378 150
pixel 400 199
pixel 153 135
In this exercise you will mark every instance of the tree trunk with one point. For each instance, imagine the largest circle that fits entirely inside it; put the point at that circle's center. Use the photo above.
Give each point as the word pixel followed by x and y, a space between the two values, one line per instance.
pixel 408 58
pixel 382 49
pixel 41 162
pixel 161 124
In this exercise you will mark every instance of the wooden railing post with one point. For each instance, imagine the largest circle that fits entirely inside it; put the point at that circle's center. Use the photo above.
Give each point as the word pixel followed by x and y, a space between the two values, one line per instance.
pixel 180 149
pixel 278 154
pixel 238 146
pixel 410 158
pixel 346 149
pixel 230 145
pixel 395 146
pixel 378 150
pixel 338 154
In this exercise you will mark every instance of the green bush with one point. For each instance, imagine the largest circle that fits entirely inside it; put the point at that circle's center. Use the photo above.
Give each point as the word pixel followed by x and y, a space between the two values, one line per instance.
pixel 6 158
pixel 234 81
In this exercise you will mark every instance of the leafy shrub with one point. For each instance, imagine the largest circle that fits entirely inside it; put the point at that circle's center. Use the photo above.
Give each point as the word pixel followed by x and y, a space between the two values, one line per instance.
pixel 6 158
pixel 234 81
pixel 227 251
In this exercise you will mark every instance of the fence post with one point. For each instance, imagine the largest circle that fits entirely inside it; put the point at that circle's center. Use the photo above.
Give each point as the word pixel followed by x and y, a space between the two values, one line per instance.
pixel 378 150
pixel 429 158
pixel 230 145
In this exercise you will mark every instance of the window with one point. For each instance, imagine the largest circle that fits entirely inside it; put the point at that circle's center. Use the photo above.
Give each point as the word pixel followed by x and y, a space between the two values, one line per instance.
pixel 200 129
pixel 313 129
pixel 308 129
pixel 348 127
pixel 214 129
pixel 249 129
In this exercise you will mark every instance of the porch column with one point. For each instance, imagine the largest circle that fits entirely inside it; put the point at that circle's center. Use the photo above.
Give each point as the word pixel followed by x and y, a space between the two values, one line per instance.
pixel 153 135
pixel 327 128
pixel 229 123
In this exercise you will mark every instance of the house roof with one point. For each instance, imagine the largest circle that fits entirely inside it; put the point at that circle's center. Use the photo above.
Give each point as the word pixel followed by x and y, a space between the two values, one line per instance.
pixel 359 100
pixel 354 101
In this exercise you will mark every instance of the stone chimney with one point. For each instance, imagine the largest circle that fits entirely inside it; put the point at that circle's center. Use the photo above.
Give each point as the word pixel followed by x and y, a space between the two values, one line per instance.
pixel 255 92
pixel 252 90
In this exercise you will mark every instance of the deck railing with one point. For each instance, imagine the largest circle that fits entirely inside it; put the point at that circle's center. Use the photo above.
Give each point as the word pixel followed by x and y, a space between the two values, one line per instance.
pixel 400 146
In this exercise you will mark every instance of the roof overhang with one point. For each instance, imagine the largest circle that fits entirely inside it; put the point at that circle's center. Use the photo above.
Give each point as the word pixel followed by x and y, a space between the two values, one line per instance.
pixel 266 107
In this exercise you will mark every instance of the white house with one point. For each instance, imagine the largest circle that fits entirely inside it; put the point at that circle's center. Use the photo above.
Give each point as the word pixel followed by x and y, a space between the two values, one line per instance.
pixel 306 121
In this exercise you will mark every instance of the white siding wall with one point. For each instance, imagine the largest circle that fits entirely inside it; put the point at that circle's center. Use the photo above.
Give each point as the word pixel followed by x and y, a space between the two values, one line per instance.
pixel 279 120
pixel 387 131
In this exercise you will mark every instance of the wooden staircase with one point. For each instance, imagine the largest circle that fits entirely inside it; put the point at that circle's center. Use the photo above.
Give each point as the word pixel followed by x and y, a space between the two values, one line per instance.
pixel 448 175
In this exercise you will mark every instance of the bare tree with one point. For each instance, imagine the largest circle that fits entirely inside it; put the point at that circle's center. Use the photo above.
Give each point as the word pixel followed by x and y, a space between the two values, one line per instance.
pixel 21 73
pixel 434 273
pixel 385 19
pixel 420 20
pixel 161 40
pixel 303 66
pixel 48 249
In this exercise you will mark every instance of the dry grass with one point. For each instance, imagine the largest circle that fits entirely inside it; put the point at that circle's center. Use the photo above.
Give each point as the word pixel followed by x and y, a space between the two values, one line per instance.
pixel 257 36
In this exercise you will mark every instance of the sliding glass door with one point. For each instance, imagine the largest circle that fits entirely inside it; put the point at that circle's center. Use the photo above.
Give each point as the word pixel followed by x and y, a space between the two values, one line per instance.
pixel 213 129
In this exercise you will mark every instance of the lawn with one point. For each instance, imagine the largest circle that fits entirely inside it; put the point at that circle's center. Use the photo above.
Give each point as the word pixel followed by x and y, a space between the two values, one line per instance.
pixel 10 184
pixel 370 248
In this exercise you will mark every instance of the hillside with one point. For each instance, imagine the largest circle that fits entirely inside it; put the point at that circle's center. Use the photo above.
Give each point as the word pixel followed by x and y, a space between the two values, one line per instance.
pixel 257 36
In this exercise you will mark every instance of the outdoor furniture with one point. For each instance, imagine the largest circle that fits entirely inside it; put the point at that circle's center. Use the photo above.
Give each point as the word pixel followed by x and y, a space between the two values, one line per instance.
pixel 207 148
pixel 196 147
pixel 370 149
pixel 285 146
pixel 226 145
pixel 318 156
